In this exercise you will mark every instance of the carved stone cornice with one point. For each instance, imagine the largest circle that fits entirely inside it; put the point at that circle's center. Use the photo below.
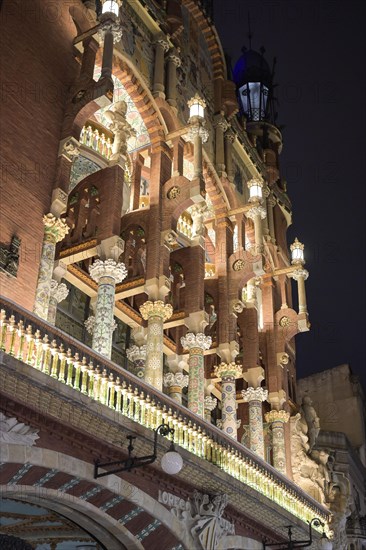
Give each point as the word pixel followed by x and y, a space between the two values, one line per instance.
pixel 254 394
pixel 109 269
pixel 200 341
pixel 277 416
pixel 55 229
pixel 156 309
pixel 228 371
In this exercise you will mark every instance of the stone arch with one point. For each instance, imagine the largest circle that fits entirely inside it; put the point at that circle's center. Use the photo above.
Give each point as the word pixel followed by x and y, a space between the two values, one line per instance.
pixel 30 469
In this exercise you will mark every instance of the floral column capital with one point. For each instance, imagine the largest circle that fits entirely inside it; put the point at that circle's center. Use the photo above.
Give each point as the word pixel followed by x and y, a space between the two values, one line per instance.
pixel 107 268
pixel 254 394
pixel 196 341
pixel 255 211
pixel 156 309
pixel 210 403
pixel 300 274
pixel 175 380
pixel 228 371
pixel 59 291
pixel 277 416
pixel 114 27
pixel 55 229
pixel 136 354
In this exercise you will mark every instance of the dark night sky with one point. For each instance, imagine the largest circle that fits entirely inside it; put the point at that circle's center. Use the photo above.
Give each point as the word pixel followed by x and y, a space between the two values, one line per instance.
pixel 320 50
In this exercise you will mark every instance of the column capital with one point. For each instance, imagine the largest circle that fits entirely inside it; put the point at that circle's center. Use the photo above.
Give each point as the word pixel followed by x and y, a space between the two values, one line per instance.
pixel 210 403
pixel 228 371
pixel 175 380
pixel 221 122
pixel 254 394
pixel 277 416
pixel 156 309
pixel 200 341
pixel 59 291
pixel 163 42
pixel 107 268
pixel 198 129
pixel 55 228
pixel 114 27
pixel 136 354
pixel 300 274
pixel 90 325
pixel 230 135
pixel 271 200
pixel 255 211
pixel 174 58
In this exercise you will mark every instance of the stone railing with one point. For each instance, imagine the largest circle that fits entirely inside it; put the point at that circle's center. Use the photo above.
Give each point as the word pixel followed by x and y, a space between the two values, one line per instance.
pixel 51 351
pixel 98 139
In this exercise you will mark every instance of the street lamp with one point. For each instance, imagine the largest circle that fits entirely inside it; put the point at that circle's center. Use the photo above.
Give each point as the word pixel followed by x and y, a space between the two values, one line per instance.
pixel 297 252
pixel 196 107
pixel 171 463
pixel 255 187
pixel 110 8
pixel 291 544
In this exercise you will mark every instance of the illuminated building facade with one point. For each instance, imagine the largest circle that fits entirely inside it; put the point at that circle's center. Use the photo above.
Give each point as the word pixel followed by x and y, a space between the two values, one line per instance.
pixel 146 280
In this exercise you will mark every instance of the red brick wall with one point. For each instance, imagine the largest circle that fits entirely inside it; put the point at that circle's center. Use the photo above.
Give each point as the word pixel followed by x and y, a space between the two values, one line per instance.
pixel 37 68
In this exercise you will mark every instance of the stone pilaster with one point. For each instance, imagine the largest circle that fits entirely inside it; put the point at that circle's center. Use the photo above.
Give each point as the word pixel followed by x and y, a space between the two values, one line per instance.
pixel 175 382
pixel 228 372
pixel 59 292
pixel 155 313
pixel 55 230
pixel 300 275
pixel 161 47
pixel 277 419
pixel 271 203
pixel 137 355
pixel 210 404
pixel 196 344
pixel 229 140
pixel 107 274
pixel 255 397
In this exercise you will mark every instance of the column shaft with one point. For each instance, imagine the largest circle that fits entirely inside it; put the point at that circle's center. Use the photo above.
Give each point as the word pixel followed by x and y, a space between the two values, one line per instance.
pixel 228 373
pixel 106 273
pixel 255 397
pixel 158 86
pixel 155 313
pixel 107 60
pixel 277 420
pixel 197 145
pixel 196 343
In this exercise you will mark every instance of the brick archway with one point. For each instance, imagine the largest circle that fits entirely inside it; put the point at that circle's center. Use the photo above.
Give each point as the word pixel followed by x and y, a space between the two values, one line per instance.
pixel 111 509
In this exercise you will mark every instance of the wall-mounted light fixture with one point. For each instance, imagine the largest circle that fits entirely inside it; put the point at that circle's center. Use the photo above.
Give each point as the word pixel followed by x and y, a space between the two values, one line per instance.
pixel 291 544
pixel 171 463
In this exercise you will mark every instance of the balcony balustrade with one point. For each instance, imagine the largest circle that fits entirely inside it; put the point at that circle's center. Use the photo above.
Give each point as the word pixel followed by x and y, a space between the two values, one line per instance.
pixel 97 138
pixel 54 353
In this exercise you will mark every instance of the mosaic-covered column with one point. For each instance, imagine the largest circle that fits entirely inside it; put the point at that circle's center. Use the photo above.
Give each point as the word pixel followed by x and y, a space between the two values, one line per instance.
pixel 137 355
pixel 59 292
pixel 55 230
pixel 107 274
pixel 155 313
pixel 277 419
pixel 255 397
pixel 175 382
pixel 196 344
pixel 228 372
pixel 209 406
